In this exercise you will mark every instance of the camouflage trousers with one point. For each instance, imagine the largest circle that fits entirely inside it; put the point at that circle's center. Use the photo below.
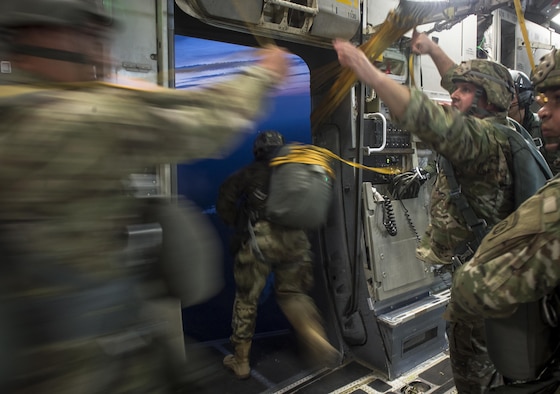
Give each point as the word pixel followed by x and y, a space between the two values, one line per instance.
pixel 473 371
pixel 286 252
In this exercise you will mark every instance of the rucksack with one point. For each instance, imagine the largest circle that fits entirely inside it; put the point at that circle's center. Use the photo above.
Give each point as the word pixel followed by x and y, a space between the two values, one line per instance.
pixel 300 188
pixel 523 345
pixel 530 169
pixel 186 257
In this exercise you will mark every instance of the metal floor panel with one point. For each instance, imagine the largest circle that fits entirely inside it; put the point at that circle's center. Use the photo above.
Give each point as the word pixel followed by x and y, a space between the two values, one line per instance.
pixel 438 374
pixel 278 367
pixel 275 363
pixel 341 377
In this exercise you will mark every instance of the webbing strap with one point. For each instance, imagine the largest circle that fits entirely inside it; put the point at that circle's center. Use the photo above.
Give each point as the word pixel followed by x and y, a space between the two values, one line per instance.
pixel 479 227
pixel 253 242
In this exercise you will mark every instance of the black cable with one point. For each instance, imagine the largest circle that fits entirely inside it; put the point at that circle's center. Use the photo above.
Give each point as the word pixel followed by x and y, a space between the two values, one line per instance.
pixel 389 220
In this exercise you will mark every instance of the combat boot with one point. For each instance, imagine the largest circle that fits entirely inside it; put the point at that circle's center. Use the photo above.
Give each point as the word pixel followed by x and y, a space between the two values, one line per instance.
pixel 320 350
pixel 239 361
pixel 303 316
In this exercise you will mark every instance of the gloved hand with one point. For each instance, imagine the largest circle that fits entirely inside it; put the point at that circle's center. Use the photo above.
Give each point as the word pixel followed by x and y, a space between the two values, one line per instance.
pixel 407 184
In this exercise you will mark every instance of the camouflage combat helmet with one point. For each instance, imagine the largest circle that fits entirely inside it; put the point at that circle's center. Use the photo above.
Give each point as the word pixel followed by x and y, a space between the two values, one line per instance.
pixel 491 76
pixel 523 88
pixel 21 13
pixel 76 14
pixel 266 142
pixel 547 73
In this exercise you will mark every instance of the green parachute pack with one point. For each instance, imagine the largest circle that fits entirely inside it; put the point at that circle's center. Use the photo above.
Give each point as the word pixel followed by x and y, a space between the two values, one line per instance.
pixel 301 187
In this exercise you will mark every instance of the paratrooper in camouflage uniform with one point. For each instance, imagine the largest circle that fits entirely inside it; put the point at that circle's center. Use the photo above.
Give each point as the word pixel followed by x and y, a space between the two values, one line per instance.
pixel 70 320
pixel 261 247
pixel 518 261
pixel 468 135
pixel 520 111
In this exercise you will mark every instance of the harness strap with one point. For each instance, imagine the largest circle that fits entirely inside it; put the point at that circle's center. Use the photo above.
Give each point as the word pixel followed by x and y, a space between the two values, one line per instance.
pixel 479 227
pixel 253 242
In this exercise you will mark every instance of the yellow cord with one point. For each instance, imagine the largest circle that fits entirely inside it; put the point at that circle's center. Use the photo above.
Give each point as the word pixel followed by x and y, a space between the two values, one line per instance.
pixel 523 27
pixel 311 154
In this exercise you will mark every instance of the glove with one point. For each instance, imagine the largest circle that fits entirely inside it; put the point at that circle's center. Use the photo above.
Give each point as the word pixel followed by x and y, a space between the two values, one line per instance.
pixel 407 184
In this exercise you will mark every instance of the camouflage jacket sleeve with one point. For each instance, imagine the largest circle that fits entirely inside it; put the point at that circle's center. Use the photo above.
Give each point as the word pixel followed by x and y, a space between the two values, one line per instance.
pixel 464 140
pixel 147 126
pixel 167 125
pixel 517 261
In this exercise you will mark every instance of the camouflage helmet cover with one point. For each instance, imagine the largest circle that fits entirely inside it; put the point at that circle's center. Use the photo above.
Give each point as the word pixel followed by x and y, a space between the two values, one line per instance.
pixel 21 13
pixel 491 76
pixel 547 73
pixel 266 141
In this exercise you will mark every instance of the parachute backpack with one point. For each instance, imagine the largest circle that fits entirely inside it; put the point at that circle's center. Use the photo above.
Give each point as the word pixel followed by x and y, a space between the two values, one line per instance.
pixel 300 189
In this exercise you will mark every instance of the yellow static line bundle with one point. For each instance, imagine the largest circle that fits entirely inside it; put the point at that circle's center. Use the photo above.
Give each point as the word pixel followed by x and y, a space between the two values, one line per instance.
pixel 405 17
pixel 393 28
pixel 311 154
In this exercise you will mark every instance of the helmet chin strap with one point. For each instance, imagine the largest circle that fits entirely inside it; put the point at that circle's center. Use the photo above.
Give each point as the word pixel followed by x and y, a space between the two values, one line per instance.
pixel 49 53
pixel 475 110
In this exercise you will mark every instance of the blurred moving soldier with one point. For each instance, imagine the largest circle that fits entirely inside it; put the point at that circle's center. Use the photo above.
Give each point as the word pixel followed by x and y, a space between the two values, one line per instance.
pixel 468 136
pixel 520 111
pixel 517 263
pixel 262 247
pixel 70 319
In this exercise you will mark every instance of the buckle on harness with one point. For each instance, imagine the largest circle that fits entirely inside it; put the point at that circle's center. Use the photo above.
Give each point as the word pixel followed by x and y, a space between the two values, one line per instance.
pixel 455 193
pixel 461 258
pixel 480 222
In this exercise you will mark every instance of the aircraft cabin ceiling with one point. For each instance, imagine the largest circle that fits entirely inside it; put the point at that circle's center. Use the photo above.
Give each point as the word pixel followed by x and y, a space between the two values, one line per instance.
pixel 317 22
pixel 541 11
